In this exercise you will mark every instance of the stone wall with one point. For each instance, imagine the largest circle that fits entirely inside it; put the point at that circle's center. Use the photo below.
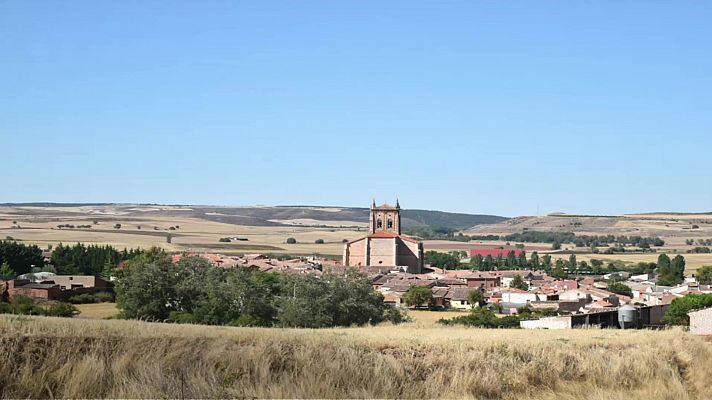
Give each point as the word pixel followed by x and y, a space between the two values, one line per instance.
pixel 701 322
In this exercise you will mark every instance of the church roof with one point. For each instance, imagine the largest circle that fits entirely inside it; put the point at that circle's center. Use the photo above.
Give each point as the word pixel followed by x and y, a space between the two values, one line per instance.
pixel 391 235
pixel 386 206
pixel 383 234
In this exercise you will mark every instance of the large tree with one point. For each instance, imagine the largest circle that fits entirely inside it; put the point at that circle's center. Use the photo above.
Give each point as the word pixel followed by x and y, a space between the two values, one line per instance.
pixel 676 314
pixel 20 257
pixel 704 275
pixel 518 283
pixel 670 272
pixel 418 297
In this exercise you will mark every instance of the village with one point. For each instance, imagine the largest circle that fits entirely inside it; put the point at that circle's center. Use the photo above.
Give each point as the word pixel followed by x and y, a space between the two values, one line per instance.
pixel 395 266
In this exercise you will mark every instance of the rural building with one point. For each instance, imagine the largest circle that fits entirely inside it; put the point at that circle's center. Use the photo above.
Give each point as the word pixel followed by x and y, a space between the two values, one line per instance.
pixel 68 282
pixel 23 287
pixel 385 246
pixel 701 321
pixel 485 280
pixel 517 296
pixel 459 298
pixel 547 323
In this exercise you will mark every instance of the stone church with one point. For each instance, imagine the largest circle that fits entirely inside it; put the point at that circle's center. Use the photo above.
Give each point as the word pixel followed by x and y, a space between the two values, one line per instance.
pixel 385 246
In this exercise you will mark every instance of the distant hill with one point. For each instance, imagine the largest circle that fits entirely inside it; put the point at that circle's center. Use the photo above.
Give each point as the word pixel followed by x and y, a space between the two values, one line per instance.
pixel 262 215
pixel 280 215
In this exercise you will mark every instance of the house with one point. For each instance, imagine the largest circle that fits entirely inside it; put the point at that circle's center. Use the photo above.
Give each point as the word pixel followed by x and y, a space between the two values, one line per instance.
pixel 484 280
pixel 701 321
pixel 69 282
pixel 459 298
pixel 440 299
pixel 598 304
pixel 44 291
pixel 517 296
pixel 506 277
pixel 591 294
pixel 393 298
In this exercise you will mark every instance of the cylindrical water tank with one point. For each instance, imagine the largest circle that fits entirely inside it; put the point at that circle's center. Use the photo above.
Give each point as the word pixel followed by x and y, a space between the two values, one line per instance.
pixel 627 317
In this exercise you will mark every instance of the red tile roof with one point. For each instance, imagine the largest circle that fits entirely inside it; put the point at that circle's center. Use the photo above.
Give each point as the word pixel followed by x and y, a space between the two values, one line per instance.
pixel 383 234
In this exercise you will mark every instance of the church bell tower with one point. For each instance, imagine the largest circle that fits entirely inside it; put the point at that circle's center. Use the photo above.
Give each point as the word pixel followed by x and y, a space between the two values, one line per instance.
pixel 385 218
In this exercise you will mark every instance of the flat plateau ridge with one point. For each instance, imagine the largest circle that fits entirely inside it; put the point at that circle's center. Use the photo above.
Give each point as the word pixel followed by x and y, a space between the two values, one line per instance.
pixel 247 215
pixel 670 225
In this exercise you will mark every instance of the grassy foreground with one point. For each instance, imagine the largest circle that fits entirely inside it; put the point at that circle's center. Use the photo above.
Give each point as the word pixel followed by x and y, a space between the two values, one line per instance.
pixel 54 357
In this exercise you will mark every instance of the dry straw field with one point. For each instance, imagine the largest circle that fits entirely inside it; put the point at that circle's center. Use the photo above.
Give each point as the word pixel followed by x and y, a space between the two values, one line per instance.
pixel 52 357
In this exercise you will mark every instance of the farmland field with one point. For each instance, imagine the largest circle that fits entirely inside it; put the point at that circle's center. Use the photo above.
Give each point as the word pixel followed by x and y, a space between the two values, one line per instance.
pixel 96 310
pixel 266 229
pixel 131 359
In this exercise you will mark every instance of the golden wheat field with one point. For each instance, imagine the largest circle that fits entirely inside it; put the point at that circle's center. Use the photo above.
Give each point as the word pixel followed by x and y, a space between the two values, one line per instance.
pixel 54 357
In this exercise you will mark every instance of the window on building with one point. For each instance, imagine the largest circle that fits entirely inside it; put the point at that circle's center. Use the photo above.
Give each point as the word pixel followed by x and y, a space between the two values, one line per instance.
pixel 379 223
pixel 390 224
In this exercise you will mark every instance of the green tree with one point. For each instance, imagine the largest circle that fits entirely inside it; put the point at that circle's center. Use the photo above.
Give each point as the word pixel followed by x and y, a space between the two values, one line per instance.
pixel 620 288
pixel 676 313
pixel 670 272
pixel 477 262
pixel 442 260
pixel 476 298
pixel 332 300
pixel 511 260
pixel 518 283
pixel 291 240
pixel 6 272
pixel 418 297
pixel 704 275
pixel 558 270
pixel 572 262
pixel 534 261
pixel 522 260
pixel 20 257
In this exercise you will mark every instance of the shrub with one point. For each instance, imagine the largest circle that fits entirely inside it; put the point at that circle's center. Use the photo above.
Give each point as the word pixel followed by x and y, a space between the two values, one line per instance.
pixel 291 240
pixel 319 241
pixel 60 309
pixel 395 315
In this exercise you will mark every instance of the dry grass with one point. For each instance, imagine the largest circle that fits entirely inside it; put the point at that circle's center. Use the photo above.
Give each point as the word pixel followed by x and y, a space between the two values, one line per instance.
pixel 194 235
pixel 96 310
pixel 51 357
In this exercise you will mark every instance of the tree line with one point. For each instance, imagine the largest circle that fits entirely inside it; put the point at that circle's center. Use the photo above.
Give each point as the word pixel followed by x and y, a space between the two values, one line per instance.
pixel 583 240
pixel 670 271
pixel 19 258
pixel 437 233
pixel 81 259
pixel 151 287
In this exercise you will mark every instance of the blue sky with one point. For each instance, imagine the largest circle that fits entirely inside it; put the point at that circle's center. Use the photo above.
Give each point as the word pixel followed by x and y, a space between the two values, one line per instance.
pixel 472 106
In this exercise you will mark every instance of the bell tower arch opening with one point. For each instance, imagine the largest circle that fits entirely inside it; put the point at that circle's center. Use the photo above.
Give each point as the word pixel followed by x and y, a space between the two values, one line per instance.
pixel 385 213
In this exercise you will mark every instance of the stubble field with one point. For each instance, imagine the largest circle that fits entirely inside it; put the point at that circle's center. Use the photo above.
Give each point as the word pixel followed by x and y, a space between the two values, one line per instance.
pixel 131 359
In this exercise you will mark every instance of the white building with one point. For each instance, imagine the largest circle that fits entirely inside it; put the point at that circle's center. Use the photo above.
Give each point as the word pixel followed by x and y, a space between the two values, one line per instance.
pixel 517 296
pixel 701 321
